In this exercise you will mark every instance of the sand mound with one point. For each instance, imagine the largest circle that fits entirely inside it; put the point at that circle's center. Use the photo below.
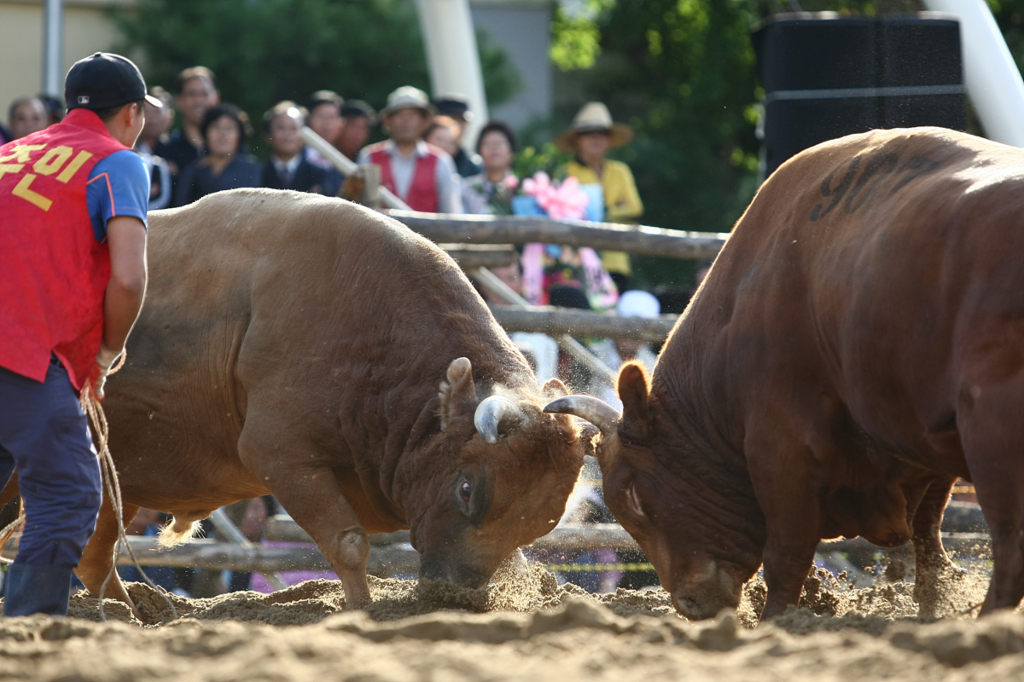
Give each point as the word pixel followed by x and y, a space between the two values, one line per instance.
pixel 524 626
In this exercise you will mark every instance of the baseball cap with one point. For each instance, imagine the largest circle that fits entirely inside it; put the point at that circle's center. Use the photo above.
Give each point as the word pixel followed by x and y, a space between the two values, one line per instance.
pixel 455 105
pixel 105 80
pixel 408 97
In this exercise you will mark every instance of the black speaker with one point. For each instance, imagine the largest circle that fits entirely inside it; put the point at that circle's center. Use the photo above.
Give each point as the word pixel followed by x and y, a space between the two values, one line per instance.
pixel 826 76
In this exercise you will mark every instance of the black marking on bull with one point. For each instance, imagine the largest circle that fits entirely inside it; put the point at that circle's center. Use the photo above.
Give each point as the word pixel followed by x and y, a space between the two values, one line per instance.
pixel 913 169
pixel 839 192
pixel 873 172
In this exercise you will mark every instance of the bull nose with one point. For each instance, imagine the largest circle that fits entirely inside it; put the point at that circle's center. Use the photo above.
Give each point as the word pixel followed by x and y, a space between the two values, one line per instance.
pixel 701 604
pixel 688 607
pixel 691 608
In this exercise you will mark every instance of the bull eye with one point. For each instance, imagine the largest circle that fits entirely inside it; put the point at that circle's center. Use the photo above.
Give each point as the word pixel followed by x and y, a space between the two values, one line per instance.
pixel 633 500
pixel 465 491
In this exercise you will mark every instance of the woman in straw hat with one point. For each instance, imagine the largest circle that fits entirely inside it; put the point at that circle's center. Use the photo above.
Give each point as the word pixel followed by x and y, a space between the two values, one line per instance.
pixel 592 135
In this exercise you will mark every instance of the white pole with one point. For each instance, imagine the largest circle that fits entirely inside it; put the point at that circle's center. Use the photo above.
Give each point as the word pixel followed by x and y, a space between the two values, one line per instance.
pixel 453 58
pixel 993 81
pixel 53 48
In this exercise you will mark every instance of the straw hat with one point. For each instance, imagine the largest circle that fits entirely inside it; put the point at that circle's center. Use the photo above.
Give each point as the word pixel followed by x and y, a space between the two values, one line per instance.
pixel 408 97
pixel 594 116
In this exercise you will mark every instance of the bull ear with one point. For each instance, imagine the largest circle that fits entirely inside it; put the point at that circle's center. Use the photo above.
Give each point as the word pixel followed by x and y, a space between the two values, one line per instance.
pixel 457 394
pixel 633 392
pixel 554 388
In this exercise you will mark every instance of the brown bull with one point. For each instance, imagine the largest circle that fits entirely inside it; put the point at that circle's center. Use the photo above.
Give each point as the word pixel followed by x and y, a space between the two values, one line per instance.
pixel 309 348
pixel 857 346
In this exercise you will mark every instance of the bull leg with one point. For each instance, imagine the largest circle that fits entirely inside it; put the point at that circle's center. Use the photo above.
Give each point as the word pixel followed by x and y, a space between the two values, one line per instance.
pixel 788 558
pixel 933 565
pixel 992 433
pixel 98 557
pixel 792 512
pixel 306 487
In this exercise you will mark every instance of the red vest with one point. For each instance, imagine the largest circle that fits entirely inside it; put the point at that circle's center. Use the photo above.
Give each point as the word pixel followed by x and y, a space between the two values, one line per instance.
pixel 423 188
pixel 54 272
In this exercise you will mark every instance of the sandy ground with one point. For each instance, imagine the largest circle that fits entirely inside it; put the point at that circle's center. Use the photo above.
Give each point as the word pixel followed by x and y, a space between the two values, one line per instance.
pixel 524 626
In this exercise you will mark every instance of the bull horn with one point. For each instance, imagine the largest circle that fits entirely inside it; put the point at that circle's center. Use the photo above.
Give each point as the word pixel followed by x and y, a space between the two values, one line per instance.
pixel 596 411
pixel 494 415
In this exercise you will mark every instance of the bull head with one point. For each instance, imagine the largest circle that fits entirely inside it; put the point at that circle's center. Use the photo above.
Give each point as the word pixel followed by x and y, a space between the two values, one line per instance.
pixel 502 482
pixel 654 503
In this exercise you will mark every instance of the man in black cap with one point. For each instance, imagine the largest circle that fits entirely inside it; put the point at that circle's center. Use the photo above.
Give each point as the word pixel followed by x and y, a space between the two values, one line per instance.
pixel 73 254
pixel 457 107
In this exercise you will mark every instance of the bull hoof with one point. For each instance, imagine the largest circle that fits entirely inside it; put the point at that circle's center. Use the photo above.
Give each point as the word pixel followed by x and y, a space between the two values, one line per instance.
pixel 356 603
pixel 932 591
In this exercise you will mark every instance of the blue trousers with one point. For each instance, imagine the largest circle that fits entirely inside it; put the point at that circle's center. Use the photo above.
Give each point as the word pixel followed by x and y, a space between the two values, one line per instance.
pixel 45 436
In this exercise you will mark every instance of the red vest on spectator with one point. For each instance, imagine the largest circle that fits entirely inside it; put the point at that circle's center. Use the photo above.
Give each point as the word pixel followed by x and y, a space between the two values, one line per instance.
pixel 55 273
pixel 423 188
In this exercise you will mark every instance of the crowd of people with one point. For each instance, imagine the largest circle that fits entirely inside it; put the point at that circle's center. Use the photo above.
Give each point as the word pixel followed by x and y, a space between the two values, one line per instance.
pixel 424 161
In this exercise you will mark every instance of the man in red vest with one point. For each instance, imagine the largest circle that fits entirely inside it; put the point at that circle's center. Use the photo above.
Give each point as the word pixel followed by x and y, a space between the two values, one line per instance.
pixel 422 175
pixel 73 201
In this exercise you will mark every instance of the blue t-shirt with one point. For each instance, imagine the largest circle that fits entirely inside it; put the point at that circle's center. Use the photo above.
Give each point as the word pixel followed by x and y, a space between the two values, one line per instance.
pixel 118 186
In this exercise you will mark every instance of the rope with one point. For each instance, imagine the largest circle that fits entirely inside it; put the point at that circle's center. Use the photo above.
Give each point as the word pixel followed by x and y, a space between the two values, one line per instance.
pixel 599 568
pixel 91 406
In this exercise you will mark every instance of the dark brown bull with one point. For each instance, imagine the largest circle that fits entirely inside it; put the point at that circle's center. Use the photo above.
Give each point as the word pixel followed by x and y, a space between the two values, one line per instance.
pixel 309 348
pixel 857 346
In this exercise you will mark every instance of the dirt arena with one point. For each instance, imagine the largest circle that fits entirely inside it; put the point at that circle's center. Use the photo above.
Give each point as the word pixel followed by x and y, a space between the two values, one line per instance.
pixel 524 626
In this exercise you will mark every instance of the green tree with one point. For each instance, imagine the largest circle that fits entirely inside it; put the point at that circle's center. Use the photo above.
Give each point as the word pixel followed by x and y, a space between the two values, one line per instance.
pixel 683 74
pixel 264 51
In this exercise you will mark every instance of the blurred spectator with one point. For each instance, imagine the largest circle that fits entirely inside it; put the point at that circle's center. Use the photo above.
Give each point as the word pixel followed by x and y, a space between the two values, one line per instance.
pixel 249 516
pixel 153 132
pixel 55 110
pixel 592 135
pixel 547 266
pixel 197 92
pixel 158 122
pixel 539 349
pixel 288 167
pixel 491 191
pixel 571 371
pixel 148 523
pixel 359 117
pixel 27 115
pixel 421 175
pixel 456 106
pixel 325 116
pixel 616 352
pixel 567 277
pixel 441 134
pixel 325 120
pixel 224 129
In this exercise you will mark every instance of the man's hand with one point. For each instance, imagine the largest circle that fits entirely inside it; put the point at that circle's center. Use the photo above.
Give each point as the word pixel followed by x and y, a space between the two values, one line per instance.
pixel 104 360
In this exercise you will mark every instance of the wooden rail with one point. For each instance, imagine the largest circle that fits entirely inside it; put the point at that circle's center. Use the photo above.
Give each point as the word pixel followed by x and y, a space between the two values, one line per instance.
pixel 555 321
pixel 488 229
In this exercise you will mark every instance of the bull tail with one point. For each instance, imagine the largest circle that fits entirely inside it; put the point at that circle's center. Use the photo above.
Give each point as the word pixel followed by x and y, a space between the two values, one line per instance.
pixel 177 531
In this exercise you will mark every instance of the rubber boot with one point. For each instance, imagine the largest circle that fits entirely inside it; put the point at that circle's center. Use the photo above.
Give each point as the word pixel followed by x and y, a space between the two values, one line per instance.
pixel 37 588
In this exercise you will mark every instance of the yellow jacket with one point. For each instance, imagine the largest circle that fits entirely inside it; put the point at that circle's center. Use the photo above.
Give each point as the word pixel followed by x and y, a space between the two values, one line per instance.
pixel 621 200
